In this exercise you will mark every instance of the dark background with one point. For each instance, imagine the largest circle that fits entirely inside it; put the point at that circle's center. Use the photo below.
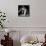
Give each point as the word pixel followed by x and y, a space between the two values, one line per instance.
pixel 21 6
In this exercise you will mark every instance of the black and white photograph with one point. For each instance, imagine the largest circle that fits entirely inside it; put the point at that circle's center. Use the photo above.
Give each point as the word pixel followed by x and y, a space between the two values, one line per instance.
pixel 23 10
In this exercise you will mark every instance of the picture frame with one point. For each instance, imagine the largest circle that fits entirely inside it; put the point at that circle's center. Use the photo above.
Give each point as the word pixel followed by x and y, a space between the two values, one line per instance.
pixel 23 10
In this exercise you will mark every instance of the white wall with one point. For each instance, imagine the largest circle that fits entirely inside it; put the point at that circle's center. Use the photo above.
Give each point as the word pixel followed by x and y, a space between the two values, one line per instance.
pixel 36 21
pixel 37 13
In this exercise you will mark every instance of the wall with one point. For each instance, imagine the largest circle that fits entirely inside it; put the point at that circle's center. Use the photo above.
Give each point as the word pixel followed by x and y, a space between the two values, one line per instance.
pixel 37 13
pixel 36 21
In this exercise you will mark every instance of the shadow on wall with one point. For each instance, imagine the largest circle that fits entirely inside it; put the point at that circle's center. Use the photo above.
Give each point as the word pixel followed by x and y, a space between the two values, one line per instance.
pixel 16 43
